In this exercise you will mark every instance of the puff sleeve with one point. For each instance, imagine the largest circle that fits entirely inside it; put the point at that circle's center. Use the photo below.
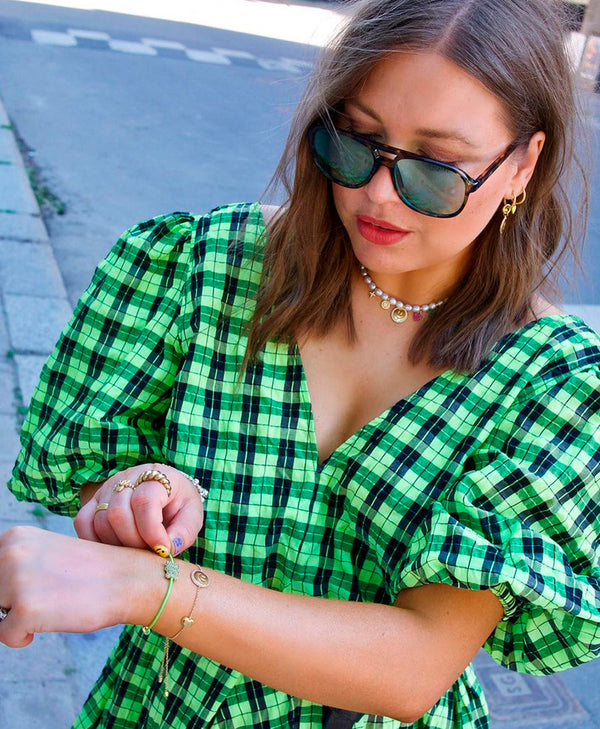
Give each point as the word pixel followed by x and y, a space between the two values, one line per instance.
pixel 523 520
pixel 103 393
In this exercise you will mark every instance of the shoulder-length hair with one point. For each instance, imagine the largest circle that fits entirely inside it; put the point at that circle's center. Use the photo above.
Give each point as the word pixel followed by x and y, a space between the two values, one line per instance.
pixel 516 48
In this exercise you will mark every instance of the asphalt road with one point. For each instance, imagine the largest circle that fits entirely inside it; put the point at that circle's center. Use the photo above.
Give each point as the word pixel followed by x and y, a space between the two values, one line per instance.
pixel 126 132
pixel 121 136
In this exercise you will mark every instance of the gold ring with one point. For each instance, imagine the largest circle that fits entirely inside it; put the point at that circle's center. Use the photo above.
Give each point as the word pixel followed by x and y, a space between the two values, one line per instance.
pixel 124 483
pixel 154 476
pixel 101 507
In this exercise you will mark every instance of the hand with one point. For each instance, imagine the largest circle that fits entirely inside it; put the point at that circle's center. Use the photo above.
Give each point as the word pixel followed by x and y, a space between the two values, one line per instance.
pixel 144 516
pixel 49 583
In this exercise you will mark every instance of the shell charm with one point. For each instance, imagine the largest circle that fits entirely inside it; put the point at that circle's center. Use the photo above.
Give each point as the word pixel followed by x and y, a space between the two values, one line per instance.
pixel 399 315
pixel 199 578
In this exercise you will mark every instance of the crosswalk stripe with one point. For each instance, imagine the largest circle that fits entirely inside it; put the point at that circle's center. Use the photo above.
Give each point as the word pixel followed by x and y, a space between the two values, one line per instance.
pixel 207 57
pixel 157 43
pixel 88 34
pixel 131 47
pixel 50 37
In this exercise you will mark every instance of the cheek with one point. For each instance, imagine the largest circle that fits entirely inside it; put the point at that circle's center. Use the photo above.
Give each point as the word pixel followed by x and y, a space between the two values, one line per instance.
pixel 480 209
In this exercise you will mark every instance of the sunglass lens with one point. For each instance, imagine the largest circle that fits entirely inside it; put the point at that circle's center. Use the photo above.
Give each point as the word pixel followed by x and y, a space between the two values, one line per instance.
pixel 428 187
pixel 341 158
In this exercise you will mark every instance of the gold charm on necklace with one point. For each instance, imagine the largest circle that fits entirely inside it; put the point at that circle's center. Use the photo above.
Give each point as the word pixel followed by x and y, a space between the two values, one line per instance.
pixel 399 315
pixel 385 304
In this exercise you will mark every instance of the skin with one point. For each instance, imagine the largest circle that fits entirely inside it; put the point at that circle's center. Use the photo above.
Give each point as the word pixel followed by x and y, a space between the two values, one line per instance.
pixel 391 660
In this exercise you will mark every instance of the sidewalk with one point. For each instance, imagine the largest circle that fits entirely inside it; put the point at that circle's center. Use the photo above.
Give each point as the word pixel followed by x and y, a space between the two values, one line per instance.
pixel 43 686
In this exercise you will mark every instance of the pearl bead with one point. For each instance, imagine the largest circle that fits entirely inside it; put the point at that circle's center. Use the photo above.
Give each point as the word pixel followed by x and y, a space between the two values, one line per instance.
pixel 400 312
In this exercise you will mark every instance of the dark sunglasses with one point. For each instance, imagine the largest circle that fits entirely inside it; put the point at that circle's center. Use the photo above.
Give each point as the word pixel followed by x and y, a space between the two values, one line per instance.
pixel 430 187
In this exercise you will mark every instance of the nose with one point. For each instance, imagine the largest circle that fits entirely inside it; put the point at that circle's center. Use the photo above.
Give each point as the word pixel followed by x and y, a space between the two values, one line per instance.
pixel 380 187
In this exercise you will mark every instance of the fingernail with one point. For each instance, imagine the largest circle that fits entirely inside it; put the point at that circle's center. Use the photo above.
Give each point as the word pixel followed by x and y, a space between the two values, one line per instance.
pixel 161 550
pixel 177 544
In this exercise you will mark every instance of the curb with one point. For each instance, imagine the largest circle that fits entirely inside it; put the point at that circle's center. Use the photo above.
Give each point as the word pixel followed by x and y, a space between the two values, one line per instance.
pixel 32 291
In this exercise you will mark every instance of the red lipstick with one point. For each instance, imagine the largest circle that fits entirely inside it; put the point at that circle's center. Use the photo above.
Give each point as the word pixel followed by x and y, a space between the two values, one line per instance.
pixel 379 232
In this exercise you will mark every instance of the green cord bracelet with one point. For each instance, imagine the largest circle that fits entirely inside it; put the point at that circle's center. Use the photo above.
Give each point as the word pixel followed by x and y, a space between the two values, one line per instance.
pixel 171 574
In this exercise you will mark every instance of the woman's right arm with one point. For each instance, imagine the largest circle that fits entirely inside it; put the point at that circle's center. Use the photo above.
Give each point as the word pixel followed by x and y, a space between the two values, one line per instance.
pixel 104 392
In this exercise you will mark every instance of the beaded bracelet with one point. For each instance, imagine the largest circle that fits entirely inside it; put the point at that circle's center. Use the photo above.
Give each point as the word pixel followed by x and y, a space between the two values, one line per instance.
pixel 171 574
pixel 202 492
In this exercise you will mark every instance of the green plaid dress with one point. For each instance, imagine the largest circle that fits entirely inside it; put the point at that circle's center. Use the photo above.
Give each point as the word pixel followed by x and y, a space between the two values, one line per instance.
pixel 489 481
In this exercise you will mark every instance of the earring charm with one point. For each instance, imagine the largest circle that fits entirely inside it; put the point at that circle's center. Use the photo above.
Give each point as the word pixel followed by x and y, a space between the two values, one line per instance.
pixel 510 208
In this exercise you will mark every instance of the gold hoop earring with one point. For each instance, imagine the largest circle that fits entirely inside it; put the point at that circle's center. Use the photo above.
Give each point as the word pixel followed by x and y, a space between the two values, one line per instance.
pixel 510 208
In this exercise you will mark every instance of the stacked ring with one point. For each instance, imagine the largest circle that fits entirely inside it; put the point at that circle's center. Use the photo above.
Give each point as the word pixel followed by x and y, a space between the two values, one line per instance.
pixel 101 507
pixel 153 475
pixel 123 483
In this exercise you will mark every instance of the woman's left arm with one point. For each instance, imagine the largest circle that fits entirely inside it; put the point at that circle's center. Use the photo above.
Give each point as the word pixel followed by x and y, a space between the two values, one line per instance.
pixel 390 660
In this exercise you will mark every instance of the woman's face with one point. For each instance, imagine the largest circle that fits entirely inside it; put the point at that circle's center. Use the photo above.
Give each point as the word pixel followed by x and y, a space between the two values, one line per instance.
pixel 424 103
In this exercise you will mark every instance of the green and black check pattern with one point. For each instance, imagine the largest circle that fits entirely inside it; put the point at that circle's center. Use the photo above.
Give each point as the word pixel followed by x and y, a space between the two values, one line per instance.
pixel 489 481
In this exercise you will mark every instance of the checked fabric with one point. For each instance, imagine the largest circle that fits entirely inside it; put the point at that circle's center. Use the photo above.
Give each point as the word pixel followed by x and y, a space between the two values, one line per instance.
pixel 482 481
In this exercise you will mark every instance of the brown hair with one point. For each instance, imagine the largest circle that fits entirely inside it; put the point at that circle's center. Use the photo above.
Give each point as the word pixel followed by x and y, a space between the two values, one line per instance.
pixel 516 48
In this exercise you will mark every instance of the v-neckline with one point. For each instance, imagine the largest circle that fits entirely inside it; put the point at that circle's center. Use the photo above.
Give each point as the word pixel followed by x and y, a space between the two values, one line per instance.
pixel 407 400
pixel 383 415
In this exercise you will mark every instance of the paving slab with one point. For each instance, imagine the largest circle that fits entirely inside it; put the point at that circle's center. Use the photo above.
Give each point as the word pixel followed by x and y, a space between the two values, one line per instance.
pixel 34 322
pixel 9 152
pixel 15 192
pixel 9 440
pixel 8 387
pixel 23 227
pixel 4 120
pixel 30 269
pixel 29 367
pixel 35 705
pixel 520 701
pixel 88 653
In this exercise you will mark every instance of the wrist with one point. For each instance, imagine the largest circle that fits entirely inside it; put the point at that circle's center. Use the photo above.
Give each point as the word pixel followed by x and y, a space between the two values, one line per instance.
pixel 143 588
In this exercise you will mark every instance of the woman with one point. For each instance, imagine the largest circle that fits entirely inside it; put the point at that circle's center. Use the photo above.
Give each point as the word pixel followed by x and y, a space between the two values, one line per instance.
pixel 398 433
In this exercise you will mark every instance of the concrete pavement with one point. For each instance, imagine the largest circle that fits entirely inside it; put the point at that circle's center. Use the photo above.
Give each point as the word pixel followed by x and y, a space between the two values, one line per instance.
pixel 43 686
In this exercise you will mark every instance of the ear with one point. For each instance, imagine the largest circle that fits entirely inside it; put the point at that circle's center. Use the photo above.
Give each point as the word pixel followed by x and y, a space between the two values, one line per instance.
pixel 525 165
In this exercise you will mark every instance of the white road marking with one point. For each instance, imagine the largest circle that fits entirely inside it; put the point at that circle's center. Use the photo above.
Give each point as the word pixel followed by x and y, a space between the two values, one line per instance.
pixel 233 54
pixel 131 47
pixel 297 62
pixel 89 34
pixel 51 38
pixel 207 57
pixel 280 64
pixel 157 43
pixel 149 46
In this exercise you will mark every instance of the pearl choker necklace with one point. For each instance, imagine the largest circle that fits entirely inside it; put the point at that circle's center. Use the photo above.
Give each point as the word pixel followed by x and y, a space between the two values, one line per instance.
pixel 399 312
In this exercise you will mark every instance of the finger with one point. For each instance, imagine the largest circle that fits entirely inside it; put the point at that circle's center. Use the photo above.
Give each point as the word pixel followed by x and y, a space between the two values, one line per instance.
pixel 147 504
pixel 84 522
pixel 184 526
pixel 12 634
pixel 121 519
pixel 104 530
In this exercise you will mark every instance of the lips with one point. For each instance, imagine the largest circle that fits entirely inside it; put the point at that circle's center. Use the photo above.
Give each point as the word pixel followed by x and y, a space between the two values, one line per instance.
pixel 379 232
